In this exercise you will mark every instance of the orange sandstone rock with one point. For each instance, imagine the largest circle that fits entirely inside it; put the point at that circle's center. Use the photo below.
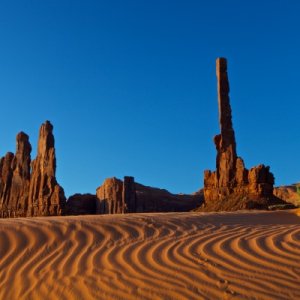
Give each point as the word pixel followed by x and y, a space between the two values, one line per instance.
pixel 31 193
pixel 15 178
pixel 117 196
pixel 232 186
pixel 46 196
pixel 110 195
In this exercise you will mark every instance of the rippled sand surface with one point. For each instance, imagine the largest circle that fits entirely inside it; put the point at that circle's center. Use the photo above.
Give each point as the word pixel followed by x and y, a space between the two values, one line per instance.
pixel 241 255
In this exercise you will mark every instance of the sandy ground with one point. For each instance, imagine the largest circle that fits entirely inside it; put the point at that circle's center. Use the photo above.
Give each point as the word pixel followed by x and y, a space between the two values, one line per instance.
pixel 241 255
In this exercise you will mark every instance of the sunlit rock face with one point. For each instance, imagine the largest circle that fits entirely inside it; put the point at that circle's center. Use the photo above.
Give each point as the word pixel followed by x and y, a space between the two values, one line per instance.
pixel 116 196
pixel 110 195
pixel 232 186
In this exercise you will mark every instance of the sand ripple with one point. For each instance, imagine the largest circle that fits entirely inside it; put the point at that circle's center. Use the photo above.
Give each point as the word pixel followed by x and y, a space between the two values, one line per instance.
pixel 244 255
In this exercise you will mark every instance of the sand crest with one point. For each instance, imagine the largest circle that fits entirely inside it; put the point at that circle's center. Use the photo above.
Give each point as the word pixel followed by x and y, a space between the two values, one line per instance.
pixel 240 255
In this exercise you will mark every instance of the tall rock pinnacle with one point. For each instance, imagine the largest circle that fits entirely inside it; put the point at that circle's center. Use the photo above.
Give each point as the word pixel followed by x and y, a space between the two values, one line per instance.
pixel 232 186
pixel 46 197
pixel 225 142
pixel 21 175
pixel 15 178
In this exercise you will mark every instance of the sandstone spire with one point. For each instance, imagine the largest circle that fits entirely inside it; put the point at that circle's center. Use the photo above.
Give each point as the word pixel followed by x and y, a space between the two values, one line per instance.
pixel 46 197
pixel 232 186
pixel 21 176
pixel 6 174
pixel 14 179
pixel 225 142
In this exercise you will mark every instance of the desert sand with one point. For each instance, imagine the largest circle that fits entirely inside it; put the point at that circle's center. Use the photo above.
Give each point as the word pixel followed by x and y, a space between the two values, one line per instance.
pixel 236 255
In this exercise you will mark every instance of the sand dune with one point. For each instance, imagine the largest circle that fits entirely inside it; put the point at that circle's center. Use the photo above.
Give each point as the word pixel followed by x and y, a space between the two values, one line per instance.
pixel 241 255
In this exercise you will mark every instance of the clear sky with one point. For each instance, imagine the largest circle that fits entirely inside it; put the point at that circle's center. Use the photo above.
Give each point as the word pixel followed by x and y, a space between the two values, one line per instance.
pixel 130 86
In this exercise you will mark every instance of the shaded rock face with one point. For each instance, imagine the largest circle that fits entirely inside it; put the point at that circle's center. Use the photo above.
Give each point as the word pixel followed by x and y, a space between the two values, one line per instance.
pixel 129 195
pixel 117 196
pixel 81 204
pixel 30 188
pixel 231 181
pixel 151 199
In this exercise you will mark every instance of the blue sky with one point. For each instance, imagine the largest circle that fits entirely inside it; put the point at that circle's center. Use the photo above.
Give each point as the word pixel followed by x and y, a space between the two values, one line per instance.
pixel 130 86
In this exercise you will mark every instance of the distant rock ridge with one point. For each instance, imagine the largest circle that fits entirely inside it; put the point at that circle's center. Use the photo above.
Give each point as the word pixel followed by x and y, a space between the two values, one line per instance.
pixel 232 186
pixel 150 199
pixel 117 196
pixel 30 188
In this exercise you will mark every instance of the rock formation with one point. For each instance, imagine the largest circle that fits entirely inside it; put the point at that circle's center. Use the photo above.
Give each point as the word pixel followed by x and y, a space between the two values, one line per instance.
pixel 289 193
pixel 232 186
pixel 31 193
pixel 15 179
pixel 46 196
pixel 117 196
pixel 30 188
pixel 81 204
pixel 109 194
pixel 150 199
pixel 129 195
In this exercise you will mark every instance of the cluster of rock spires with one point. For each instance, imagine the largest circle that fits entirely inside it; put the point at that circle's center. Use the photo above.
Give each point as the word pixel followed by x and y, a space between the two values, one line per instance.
pixel 232 186
pixel 29 188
